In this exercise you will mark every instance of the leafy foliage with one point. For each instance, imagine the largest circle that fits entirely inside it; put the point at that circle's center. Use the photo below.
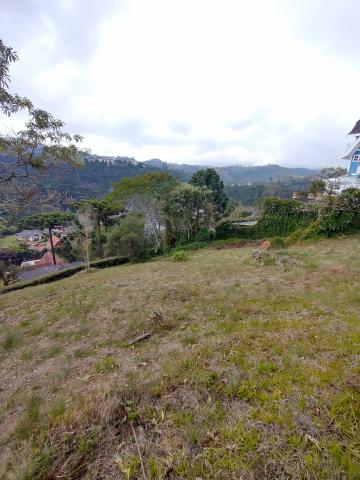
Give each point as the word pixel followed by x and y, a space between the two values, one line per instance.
pixel 25 155
pixel 210 179
pixel 341 214
pixel 317 186
pixel 127 237
pixel 145 195
pixel 101 212
pixel 46 220
pixel 251 194
pixel 281 217
pixel 187 211
pixel 180 256
pixel 9 104
pixel 153 184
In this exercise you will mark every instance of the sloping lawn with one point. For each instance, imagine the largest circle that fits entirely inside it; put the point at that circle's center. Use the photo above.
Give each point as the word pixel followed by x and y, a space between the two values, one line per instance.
pixel 251 370
pixel 10 242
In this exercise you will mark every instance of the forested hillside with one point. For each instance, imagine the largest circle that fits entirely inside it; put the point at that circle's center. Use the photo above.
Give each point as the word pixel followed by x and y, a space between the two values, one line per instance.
pixel 95 178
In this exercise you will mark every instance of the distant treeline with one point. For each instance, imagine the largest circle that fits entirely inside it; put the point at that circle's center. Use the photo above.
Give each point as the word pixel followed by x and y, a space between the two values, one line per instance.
pixel 249 195
pixel 96 177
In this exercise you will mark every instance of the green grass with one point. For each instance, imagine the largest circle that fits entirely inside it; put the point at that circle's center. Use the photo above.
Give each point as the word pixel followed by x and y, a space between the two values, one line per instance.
pixel 10 242
pixel 251 370
pixel 108 363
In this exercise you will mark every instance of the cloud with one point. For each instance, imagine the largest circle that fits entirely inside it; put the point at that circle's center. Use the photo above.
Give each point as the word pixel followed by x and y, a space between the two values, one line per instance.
pixel 196 82
pixel 330 26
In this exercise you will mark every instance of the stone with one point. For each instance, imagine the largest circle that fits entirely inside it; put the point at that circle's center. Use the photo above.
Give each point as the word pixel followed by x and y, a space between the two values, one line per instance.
pixel 265 245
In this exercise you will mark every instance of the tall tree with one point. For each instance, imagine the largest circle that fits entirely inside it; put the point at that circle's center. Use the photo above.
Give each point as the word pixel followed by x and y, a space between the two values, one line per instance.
pixel 85 217
pixel 48 221
pixel 187 210
pixel 101 212
pixel 210 179
pixel 145 195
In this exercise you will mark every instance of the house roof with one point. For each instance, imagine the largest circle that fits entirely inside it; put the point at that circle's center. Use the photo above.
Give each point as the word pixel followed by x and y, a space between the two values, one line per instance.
pixel 56 240
pixel 351 149
pixel 28 233
pixel 356 129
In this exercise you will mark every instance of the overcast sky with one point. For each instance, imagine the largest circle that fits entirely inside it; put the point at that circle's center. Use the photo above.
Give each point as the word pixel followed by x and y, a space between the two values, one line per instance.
pixel 193 81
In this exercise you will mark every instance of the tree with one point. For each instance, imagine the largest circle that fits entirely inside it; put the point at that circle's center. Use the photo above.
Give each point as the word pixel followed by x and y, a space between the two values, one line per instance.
pixel 101 212
pixel 333 172
pixel 187 210
pixel 49 221
pixel 210 179
pixel 85 218
pixel 145 195
pixel 9 104
pixel 317 187
pixel 127 237
pixel 40 146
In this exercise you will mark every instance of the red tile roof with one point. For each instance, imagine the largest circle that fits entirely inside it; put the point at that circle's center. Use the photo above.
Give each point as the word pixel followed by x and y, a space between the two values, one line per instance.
pixel 56 241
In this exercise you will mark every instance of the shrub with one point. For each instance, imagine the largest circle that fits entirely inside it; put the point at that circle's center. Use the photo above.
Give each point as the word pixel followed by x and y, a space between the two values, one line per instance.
pixel 10 341
pixel 128 237
pixel 180 256
pixel 341 214
pixel 277 242
pixel 203 235
pixel 229 230
pixel 311 232
pixel 191 246
pixel 281 217
pixel 268 260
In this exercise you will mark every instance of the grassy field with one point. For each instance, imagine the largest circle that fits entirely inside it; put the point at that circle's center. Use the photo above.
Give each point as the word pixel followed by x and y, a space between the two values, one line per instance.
pixel 251 371
pixel 10 242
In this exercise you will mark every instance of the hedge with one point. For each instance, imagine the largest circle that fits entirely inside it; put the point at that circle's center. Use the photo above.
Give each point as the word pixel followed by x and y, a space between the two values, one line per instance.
pixel 53 277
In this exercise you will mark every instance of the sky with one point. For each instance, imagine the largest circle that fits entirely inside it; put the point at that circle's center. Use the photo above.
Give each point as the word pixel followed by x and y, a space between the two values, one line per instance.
pixel 212 82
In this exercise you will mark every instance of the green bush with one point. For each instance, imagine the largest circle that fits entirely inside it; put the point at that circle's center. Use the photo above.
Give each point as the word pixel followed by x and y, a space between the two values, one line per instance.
pixel 277 242
pixel 311 232
pixel 127 238
pixel 191 246
pixel 229 230
pixel 109 262
pixel 203 235
pixel 180 256
pixel 341 214
pixel 281 217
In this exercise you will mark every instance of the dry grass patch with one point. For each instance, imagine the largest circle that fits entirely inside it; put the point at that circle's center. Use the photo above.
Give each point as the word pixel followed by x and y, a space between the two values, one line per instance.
pixel 251 370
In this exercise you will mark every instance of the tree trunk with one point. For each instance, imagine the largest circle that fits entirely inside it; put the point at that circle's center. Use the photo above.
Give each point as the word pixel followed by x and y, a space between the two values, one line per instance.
pixel 101 254
pixel 132 250
pixel 52 246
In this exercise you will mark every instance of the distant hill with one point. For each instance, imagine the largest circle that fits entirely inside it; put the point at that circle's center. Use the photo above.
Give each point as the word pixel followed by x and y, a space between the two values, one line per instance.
pixel 238 174
pixel 99 172
pixel 235 174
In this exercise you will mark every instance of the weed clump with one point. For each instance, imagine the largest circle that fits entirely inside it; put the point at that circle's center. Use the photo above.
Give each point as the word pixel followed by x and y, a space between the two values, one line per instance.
pixel 277 242
pixel 106 364
pixel 180 256
pixel 10 341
